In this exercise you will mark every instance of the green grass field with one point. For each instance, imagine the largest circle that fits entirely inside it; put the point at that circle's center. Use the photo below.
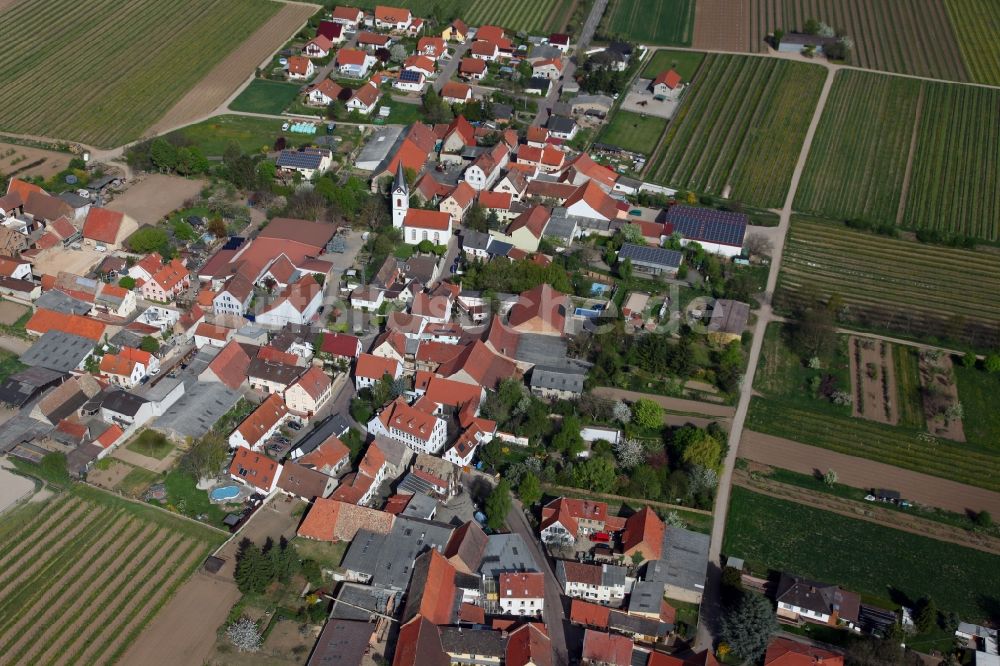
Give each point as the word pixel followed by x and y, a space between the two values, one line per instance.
pixel 782 375
pixel 251 134
pixel 97 567
pixel 264 96
pixel 857 161
pixel 534 16
pixel 977 22
pixel 685 62
pixel 911 409
pixel 891 284
pixel 633 131
pixel 740 129
pixel 667 22
pixel 875 561
pixel 117 66
pixel 151 443
pixel 978 391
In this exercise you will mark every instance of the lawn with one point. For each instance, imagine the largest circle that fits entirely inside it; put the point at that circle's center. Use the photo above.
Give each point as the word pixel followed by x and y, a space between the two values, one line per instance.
pixel 184 497
pixel 978 391
pixel 253 135
pixel 151 443
pixel 327 555
pixel 669 22
pixel 875 561
pixel 264 96
pixel 685 62
pixel 137 481
pixel 98 567
pixel 782 375
pixel 118 66
pixel 632 131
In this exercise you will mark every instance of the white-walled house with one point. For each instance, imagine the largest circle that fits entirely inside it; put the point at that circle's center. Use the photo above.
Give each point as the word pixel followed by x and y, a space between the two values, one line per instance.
pixel 370 369
pixel 422 432
pixel 309 392
pixel 603 584
pixel 262 422
pixel 522 593
pixel 255 470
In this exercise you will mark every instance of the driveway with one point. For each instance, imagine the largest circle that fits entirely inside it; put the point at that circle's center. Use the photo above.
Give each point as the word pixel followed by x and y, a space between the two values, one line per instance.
pixel 451 65
pixel 554 615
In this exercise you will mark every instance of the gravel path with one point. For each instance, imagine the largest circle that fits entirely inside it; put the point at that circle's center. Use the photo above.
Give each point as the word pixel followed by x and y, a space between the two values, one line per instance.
pixel 863 473
pixel 42 616
pixel 673 404
pixel 111 617
pixel 869 512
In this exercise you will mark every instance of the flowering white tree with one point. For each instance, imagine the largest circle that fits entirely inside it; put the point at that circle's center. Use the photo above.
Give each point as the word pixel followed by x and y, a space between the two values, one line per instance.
pixel 630 453
pixel 244 634
pixel 622 412
pixel 703 478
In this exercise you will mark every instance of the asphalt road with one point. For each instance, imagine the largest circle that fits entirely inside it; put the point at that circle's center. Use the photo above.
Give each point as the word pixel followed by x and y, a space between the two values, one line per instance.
pixel 450 66
pixel 554 615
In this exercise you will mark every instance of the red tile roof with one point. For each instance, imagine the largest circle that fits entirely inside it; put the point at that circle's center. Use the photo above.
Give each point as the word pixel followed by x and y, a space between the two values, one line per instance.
pixel 124 361
pixel 529 585
pixel 542 303
pixel 62 226
pixel 102 225
pixel 528 644
pixel 609 649
pixel 212 331
pixel 328 88
pixel 170 275
pixel 392 14
pixel 23 188
pixel 472 66
pixel 418 218
pixel 567 511
pixel 346 13
pixel 443 391
pixel 340 344
pixel 463 194
pixel 44 321
pixel 298 65
pixel 472 614
pixel 643 533
pixel 313 381
pixel 257 469
pixel 484 48
pixel 671 78
pixel 490 33
pixel 497 200
pixel 368 37
pixel 592 194
pixel 72 428
pixel 396 504
pixel 786 652
pixel 586 166
pixel 420 62
pixel 372 462
pixel 230 365
pixel 534 220
pixel 262 419
pixel 412 421
pixel 327 455
pixel 437 598
pixel 351 57
pixel 482 365
pixel 452 90
pixel 333 520
pixel 432 45
pixel 419 644
pixel 370 366
pixel 315 235
pixel 588 614
pixel 109 437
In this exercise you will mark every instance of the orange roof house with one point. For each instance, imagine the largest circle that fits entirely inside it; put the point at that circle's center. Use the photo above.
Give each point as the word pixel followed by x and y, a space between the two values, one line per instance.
pixel 103 226
pixel 333 520
pixel 670 78
pixel 432 589
pixel 44 321
pixel 786 652
pixel 260 424
pixel 490 33
pixel 540 310
pixel 456 93
pixel 643 535
pixel 255 470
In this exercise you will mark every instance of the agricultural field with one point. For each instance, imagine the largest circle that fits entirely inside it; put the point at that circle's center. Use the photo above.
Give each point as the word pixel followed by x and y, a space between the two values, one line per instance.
pixel 632 131
pixel 264 96
pixel 83 576
pixel 251 134
pixel 857 161
pixel 685 62
pixel 892 284
pixel 908 448
pixel 908 393
pixel 978 391
pixel 740 129
pixel 956 167
pixel 905 36
pixel 978 22
pixel 782 375
pixel 118 66
pixel 880 563
pixel 534 16
pixel 668 22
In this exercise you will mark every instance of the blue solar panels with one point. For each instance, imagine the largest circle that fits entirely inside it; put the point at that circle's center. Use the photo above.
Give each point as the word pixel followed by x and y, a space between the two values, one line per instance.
pixel 293 159
pixel 708 225
pixel 410 76
pixel 650 256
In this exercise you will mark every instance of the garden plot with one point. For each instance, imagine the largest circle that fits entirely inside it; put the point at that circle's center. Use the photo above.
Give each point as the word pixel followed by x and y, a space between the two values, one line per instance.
pixel 942 409
pixel 873 383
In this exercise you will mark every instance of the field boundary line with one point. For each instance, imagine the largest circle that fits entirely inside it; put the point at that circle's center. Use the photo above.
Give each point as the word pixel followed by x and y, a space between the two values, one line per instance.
pixel 624 500
pixel 158 508
pixel 869 513
pixel 911 156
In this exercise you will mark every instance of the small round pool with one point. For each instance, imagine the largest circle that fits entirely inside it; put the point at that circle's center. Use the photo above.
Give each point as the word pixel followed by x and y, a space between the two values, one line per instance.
pixel 224 493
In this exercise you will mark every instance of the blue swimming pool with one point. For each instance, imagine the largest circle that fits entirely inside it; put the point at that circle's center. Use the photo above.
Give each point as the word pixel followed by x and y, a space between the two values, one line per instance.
pixel 589 313
pixel 224 493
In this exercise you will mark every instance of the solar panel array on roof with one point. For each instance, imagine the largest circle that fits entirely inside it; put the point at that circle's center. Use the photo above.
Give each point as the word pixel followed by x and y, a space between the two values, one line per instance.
pixel 651 256
pixel 234 243
pixel 299 160
pixel 410 76
pixel 706 224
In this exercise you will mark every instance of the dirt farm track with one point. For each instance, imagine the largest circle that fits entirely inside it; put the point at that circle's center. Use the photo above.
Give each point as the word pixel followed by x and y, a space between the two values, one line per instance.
pixel 226 78
pixel 861 473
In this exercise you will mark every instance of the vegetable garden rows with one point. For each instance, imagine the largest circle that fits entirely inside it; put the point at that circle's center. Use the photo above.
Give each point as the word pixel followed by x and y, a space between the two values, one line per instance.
pixel 86 575
pixel 893 445
pixel 978 22
pixel 887 283
pixel 857 161
pixel 906 36
pixel 750 144
pixel 956 168
pixel 116 66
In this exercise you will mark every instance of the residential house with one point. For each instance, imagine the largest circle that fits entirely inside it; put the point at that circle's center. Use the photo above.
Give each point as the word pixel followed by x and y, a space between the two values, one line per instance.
pixel 234 297
pixel 565 520
pixel 361 487
pixel 272 376
pixel 107 228
pixel 354 63
pixel 598 583
pixel 44 321
pixel 667 85
pixel 547 159
pixel 349 17
pixel 229 366
pixel 783 651
pixel 499 204
pixel 392 18
pixel 456 93
pixel 368 298
pixel 318 47
pixel 167 282
pixel 592 202
pixel 540 310
pixel 459 136
pixel 560 41
pixel 260 424
pixel 299 68
pixel 324 93
pixel 521 593
pixel 331 457
pixel 561 127
pixel 116 301
pixel 255 470
pixel 486 168
pixel 364 98
pixel 472 69
pixel 529 645
pixel 419 644
pixel 432 47
pixel 802 600
pixel 212 335
pixel 419 430
pixel 548 68
pixel 305 483
pixel 340 346
pixel 525 232
pixel 456 31
pixel 642 538
pixel 513 183
pixel 478 364
pixel 373 40
pixel 410 80
pixel 128 367
pixel 682 565
pixel 558 382
pixel 297 304
pixel 309 392
pixel 307 162
pixel 476 647
pixel 458 203
pixel 604 649
pixel 484 50
pixel 370 369
pixel 336 521
pixel 717 231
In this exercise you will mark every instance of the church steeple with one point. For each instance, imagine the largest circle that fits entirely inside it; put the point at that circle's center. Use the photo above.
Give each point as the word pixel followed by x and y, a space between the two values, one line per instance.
pixel 400 197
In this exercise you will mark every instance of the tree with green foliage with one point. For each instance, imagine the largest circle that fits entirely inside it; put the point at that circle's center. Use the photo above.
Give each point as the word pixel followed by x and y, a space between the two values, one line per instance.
pixel 252 573
pixel 435 109
pixel 149 344
pixel 530 489
pixel 647 414
pixel 969 359
pixel 815 333
pixel 127 282
pixel 206 456
pixel 992 363
pixel 568 440
pixel 163 154
pixel 498 505
pixel 927 615
pixel 475 219
pixel 698 447
pixel 597 474
pixel 983 519
pixel 53 468
pixel 148 239
pixel 747 626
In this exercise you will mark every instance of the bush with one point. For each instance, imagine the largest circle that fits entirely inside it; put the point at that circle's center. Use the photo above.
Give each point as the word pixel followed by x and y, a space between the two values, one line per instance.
pixel 647 414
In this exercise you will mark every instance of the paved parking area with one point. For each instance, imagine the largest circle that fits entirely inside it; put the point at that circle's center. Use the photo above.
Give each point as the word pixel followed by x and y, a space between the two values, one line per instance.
pixel 639 99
